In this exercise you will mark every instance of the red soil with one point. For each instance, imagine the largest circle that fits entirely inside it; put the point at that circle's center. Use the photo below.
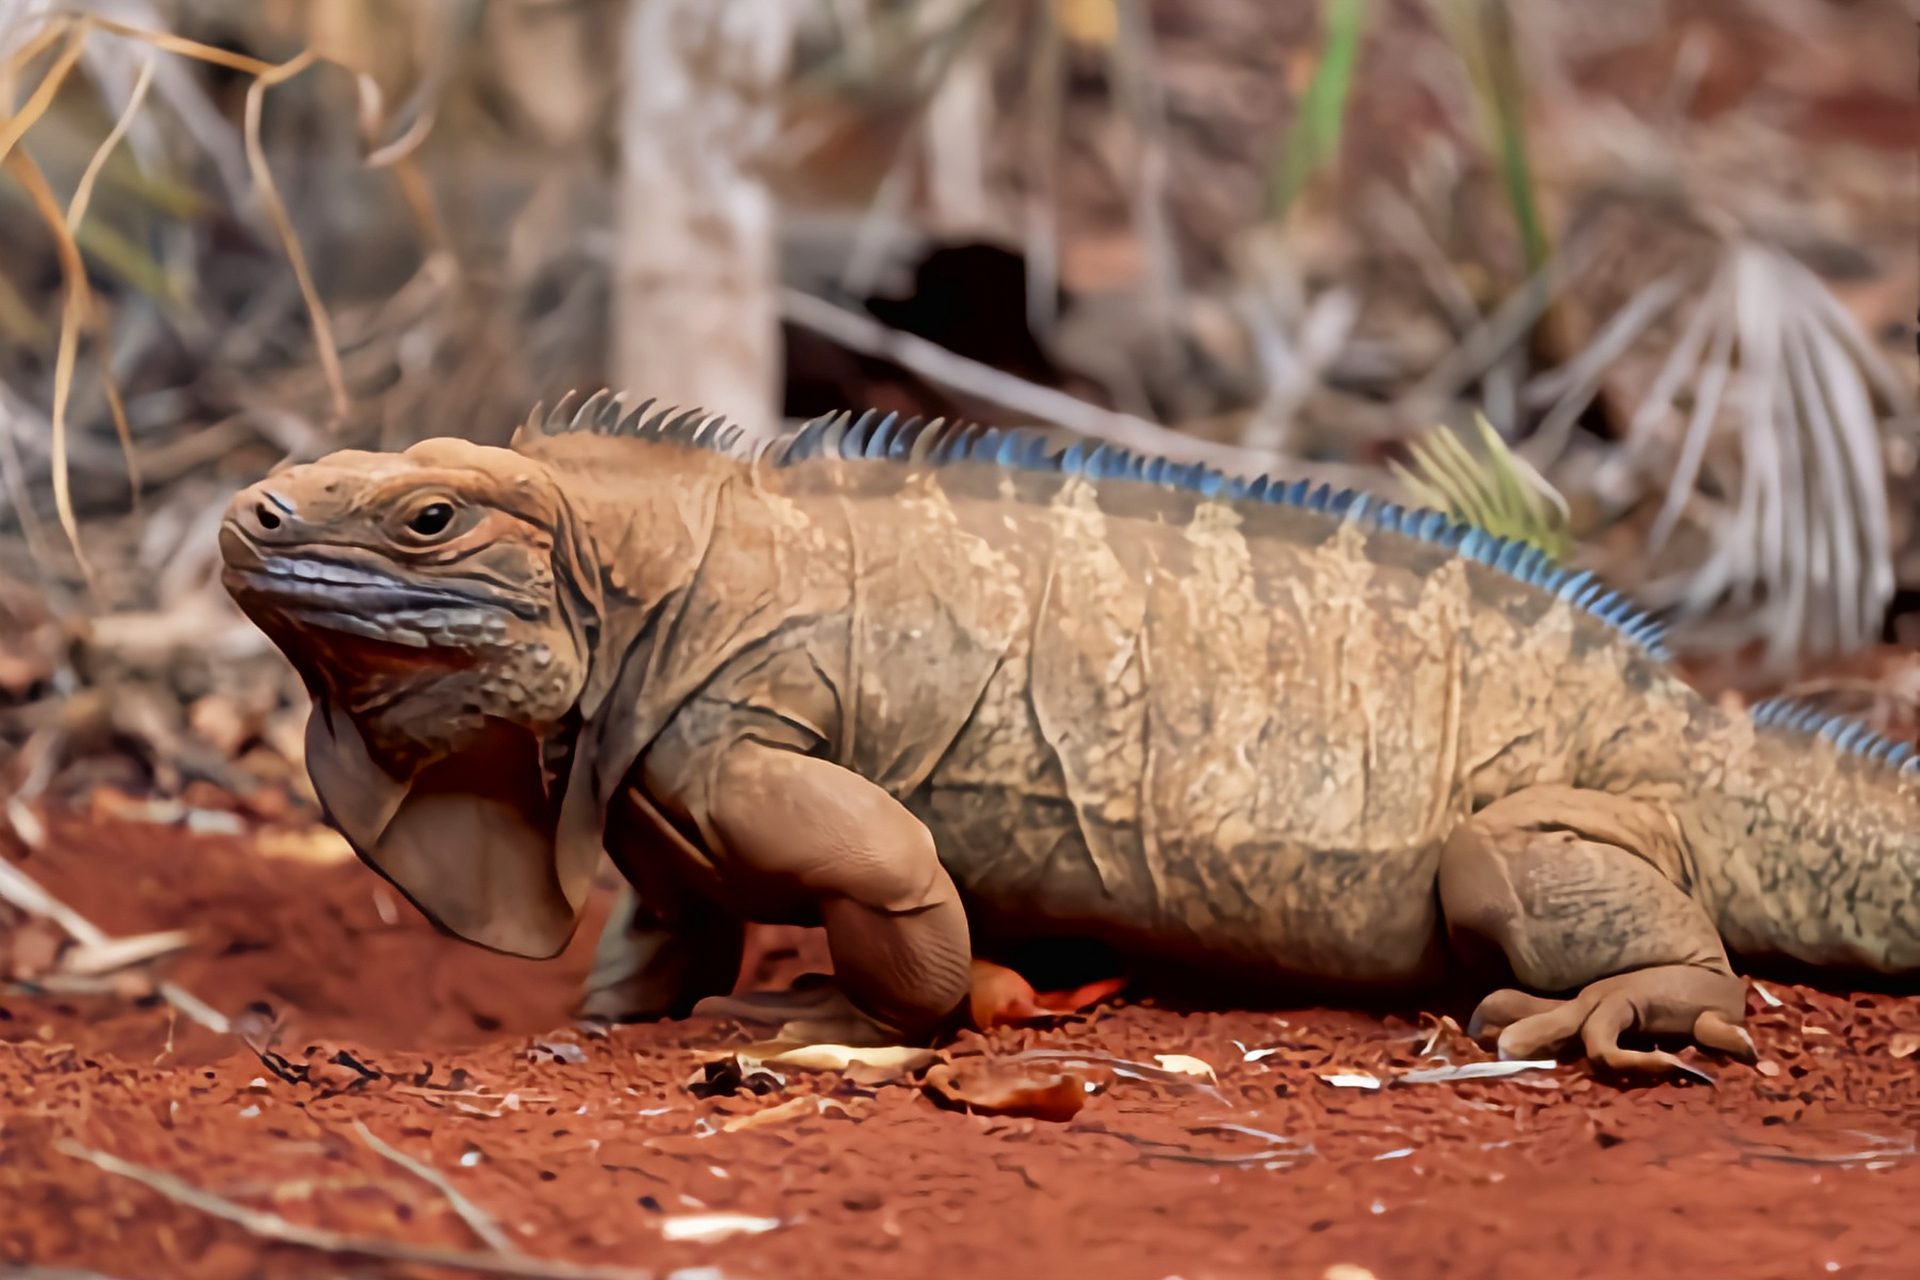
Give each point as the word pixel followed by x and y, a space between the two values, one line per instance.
pixel 1804 1167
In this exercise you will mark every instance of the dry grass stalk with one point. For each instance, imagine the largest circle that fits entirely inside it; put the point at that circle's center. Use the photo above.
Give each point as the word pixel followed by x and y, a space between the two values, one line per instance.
pixel 77 214
pixel 276 211
pixel 20 889
pixel 271 1226
pixel 77 311
pixel 1038 403
pixel 73 315
pixel 476 1218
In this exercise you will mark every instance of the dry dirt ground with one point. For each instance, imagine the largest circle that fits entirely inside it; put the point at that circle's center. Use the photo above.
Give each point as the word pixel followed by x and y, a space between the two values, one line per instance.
pixel 595 1151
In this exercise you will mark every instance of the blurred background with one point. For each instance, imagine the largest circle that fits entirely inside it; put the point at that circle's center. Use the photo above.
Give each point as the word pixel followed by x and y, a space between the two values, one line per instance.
pixel 1636 281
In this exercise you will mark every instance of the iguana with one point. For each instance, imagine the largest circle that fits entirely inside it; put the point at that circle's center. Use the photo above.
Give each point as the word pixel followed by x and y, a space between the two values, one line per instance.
pixel 925 685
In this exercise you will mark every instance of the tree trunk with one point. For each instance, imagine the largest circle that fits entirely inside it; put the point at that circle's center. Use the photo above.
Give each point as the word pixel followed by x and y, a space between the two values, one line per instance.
pixel 696 301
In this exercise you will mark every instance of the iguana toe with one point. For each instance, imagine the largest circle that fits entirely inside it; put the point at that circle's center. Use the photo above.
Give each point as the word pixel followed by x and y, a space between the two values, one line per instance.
pixel 804 1015
pixel 1666 1000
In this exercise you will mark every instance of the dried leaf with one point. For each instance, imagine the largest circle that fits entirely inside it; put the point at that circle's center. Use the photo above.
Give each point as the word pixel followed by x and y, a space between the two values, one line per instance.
pixel 706 1228
pixel 1904 1044
pixel 93 959
pixel 1351 1080
pixel 1475 1071
pixel 318 845
pixel 896 1058
pixel 1006 1088
pixel 791 1109
pixel 1185 1065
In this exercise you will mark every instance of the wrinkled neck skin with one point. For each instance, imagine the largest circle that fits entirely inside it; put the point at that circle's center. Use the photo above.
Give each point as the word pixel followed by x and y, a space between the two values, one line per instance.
pixel 646 537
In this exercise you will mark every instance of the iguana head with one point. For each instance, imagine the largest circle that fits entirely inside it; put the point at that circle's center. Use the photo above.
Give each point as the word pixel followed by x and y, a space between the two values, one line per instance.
pixel 440 607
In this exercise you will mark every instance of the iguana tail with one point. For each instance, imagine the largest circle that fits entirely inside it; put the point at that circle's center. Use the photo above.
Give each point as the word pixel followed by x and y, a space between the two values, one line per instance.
pixel 1810 846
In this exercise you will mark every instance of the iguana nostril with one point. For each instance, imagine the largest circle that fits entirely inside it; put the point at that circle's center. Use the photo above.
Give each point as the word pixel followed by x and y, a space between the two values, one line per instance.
pixel 272 511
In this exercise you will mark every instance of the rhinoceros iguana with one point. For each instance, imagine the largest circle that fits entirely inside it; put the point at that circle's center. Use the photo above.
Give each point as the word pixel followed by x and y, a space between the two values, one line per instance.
pixel 924 685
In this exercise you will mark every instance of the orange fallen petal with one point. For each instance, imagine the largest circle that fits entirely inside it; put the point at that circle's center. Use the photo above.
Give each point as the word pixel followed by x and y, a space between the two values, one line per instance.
pixel 1081 997
pixel 1000 997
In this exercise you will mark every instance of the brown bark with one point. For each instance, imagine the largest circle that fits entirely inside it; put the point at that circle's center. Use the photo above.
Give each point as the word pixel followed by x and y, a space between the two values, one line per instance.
pixel 696 307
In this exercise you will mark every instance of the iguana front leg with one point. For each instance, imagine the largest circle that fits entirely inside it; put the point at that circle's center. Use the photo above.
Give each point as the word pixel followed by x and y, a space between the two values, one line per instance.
pixel 644 968
pixel 804 827
pixel 1568 885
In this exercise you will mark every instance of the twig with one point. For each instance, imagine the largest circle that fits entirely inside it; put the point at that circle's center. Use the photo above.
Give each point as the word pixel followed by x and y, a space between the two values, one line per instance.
pixel 43 95
pixel 17 887
pixel 1494 336
pixel 73 316
pixel 271 1226
pixel 76 214
pixel 470 1213
pixel 83 193
pixel 276 211
pixel 173 1019
pixel 937 364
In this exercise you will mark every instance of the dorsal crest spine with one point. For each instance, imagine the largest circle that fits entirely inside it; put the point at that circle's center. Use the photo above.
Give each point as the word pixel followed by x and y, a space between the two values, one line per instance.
pixel 605 414
pixel 873 436
pixel 1846 733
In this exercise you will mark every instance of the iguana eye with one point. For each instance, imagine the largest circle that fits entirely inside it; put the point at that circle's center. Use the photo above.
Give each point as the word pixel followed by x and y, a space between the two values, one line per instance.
pixel 431 519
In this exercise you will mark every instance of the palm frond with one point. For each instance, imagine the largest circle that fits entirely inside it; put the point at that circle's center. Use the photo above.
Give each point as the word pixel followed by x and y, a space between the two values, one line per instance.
pixel 1784 427
pixel 1495 489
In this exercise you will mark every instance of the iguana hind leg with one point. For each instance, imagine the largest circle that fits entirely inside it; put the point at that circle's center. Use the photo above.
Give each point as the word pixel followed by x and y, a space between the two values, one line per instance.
pixel 1568 885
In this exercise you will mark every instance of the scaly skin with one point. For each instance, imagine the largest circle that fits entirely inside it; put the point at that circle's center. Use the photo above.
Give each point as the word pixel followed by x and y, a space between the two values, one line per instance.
pixel 1238 734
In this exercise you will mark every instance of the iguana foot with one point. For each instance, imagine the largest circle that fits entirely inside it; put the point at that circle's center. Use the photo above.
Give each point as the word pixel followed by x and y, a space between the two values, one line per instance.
pixel 1581 890
pixel 1670 1000
pixel 808 1013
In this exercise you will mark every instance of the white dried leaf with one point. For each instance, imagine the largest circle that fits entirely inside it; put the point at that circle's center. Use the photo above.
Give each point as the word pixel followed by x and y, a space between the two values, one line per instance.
pixel 837 1057
pixel 1476 1071
pixel 1185 1065
pixel 706 1228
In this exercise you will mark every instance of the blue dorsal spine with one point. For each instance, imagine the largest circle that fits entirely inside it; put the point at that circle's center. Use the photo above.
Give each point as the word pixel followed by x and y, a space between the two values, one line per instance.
pixel 1847 734
pixel 936 443
pixel 844 436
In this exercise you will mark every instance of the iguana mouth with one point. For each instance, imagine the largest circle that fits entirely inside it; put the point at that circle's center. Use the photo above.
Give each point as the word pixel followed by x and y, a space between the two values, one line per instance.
pixel 334 596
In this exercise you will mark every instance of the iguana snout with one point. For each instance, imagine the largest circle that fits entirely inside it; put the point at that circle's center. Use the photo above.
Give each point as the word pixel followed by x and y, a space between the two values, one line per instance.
pixel 441 586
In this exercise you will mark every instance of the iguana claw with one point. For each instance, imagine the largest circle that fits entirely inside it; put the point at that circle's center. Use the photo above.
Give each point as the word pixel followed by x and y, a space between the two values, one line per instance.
pixel 1666 1000
pixel 805 1014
